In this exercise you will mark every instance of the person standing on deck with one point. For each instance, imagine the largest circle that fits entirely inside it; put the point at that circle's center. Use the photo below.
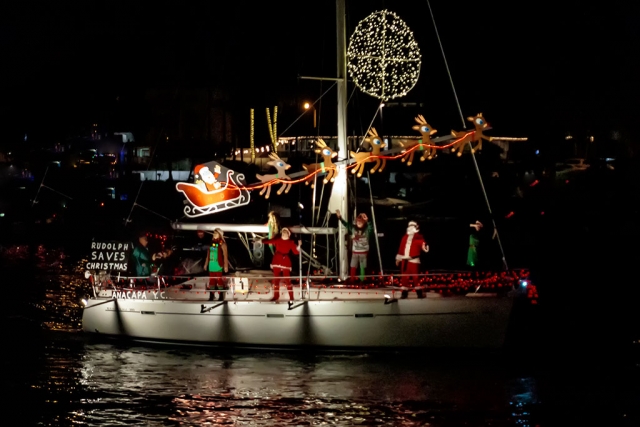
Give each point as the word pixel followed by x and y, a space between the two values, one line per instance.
pixel 281 263
pixel 142 257
pixel 360 232
pixel 474 242
pixel 408 257
pixel 217 261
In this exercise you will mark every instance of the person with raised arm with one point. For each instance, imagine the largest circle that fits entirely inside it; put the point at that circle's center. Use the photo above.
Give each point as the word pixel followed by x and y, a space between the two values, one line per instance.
pixel 360 232
pixel 408 257
pixel 281 262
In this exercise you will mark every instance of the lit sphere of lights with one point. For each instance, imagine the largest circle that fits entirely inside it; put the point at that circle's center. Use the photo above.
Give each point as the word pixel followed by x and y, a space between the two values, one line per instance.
pixel 383 56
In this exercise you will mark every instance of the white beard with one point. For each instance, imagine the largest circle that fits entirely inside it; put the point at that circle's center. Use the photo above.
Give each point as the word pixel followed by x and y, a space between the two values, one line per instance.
pixel 411 230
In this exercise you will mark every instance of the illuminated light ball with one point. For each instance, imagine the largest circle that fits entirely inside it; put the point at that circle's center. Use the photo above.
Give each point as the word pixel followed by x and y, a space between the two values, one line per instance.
pixel 383 56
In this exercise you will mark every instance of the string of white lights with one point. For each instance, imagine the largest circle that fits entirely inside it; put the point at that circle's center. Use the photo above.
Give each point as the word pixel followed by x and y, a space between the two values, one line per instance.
pixel 384 59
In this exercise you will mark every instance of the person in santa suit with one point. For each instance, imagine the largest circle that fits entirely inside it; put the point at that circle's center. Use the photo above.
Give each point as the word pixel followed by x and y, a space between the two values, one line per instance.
pixel 408 257
pixel 281 262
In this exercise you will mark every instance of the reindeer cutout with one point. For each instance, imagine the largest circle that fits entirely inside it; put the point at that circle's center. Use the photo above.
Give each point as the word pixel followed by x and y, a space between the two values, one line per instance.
pixel 281 166
pixel 476 135
pixel 367 156
pixel 326 165
pixel 426 131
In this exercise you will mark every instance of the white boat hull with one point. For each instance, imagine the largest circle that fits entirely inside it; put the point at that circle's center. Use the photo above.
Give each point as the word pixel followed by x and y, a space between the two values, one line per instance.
pixel 344 319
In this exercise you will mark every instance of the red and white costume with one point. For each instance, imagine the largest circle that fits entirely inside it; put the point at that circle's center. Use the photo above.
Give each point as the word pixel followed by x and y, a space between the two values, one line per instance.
pixel 281 264
pixel 207 178
pixel 281 256
pixel 411 245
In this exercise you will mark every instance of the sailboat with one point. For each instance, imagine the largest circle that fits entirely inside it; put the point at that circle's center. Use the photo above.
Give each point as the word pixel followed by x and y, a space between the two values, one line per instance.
pixel 322 315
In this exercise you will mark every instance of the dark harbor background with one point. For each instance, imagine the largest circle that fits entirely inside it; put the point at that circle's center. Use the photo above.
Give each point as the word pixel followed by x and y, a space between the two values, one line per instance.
pixel 94 96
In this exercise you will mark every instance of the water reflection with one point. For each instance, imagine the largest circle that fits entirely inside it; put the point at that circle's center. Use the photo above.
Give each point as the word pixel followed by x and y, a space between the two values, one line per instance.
pixel 55 376
pixel 194 387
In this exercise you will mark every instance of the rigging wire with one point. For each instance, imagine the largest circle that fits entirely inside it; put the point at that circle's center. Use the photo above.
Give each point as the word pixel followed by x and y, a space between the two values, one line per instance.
pixel 446 64
pixel 56 191
pixel 313 105
pixel 155 213
pixel 135 202
pixel 473 156
pixel 40 187
pixel 364 136
pixel 375 227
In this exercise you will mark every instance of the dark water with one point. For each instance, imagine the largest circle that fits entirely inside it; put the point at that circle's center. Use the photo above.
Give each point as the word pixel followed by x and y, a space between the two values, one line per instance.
pixel 571 367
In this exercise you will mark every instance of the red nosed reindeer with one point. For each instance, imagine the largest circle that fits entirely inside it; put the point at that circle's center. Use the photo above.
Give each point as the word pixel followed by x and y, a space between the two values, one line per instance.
pixel 368 156
pixel 464 137
pixel 281 166
pixel 326 165
pixel 427 145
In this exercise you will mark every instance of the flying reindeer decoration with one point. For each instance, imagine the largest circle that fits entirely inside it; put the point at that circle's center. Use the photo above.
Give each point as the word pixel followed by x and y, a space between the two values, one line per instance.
pixel 464 137
pixel 281 166
pixel 427 145
pixel 325 166
pixel 363 157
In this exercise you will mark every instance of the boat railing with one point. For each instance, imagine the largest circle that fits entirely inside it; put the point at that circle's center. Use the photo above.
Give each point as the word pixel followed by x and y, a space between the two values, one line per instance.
pixel 442 280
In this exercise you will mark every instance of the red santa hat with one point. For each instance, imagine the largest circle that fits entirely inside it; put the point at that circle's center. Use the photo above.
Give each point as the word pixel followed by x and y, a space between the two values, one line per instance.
pixel 198 168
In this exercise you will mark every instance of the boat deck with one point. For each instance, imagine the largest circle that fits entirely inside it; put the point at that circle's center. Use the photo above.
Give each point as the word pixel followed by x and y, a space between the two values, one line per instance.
pixel 256 285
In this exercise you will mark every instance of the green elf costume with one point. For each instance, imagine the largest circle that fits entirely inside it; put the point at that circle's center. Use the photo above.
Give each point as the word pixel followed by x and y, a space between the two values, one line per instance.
pixel 474 242
pixel 217 260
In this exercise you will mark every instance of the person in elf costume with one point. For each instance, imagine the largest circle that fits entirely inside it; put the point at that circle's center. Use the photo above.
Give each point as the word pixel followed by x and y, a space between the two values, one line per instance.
pixel 408 257
pixel 281 262
pixel 217 261
pixel 360 233
pixel 474 242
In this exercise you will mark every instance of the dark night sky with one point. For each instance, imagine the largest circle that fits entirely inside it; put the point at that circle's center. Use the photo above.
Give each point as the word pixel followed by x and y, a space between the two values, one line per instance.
pixel 530 68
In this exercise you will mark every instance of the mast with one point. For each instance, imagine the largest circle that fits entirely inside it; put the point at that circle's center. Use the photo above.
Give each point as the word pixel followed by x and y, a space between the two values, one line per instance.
pixel 340 184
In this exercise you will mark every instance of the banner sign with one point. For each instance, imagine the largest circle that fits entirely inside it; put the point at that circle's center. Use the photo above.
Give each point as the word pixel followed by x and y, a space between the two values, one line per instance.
pixel 109 255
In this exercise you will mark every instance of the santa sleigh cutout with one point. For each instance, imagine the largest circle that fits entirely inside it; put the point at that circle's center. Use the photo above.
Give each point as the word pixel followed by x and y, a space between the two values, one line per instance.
pixel 203 201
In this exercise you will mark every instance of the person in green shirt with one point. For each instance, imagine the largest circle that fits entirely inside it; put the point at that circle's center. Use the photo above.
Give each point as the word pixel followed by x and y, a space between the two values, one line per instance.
pixel 142 257
pixel 217 261
pixel 474 242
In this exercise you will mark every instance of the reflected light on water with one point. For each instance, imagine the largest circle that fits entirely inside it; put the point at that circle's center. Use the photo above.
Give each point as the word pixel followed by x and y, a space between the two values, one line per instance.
pixel 58 377
pixel 195 387
pixel 75 381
